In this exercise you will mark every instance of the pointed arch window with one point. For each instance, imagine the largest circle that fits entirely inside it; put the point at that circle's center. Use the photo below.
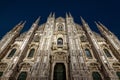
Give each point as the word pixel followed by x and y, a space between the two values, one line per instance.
pixel 96 76
pixel 22 76
pixel 12 52
pixel 88 53
pixel 118 74
pixel 60 41
pixel 107 53
pixel 31 53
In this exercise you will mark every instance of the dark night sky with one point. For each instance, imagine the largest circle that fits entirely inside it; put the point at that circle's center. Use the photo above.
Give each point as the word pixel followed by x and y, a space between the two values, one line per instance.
pixel 105 11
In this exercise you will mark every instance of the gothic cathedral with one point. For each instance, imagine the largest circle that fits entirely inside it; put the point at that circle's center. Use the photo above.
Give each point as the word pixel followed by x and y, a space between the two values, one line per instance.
pixel 59 49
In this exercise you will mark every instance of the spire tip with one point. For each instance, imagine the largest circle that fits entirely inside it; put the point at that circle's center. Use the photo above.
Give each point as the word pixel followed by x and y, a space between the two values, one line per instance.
pixel 37 21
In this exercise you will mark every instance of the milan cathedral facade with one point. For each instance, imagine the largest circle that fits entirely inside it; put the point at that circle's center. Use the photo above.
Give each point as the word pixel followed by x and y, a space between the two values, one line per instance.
pixel 59 49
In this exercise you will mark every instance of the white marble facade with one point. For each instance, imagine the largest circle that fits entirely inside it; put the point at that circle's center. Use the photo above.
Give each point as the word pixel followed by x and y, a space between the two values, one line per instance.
pixel 59 49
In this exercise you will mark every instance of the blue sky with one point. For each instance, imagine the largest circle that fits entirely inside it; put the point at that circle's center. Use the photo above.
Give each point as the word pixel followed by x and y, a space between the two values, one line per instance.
pixel 105 11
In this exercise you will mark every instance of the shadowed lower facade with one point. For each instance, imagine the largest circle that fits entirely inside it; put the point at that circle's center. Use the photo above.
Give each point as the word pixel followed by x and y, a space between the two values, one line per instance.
pixel 59 49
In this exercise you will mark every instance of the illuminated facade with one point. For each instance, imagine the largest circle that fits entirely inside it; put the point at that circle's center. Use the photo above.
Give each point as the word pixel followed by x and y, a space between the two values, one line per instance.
pixel 59 49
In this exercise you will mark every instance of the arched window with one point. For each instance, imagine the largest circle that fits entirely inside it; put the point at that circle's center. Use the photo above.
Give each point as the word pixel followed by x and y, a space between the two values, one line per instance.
pixel 107 53
pixel 88 53
pixel 31 53
pixel 96 76
pixel 118 74
pixel 60 41
pixel 12 53
pixel 1 73
pixel 22 76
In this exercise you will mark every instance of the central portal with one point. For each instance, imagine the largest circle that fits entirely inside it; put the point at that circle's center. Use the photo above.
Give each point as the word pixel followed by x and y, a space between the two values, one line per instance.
pixel 59 72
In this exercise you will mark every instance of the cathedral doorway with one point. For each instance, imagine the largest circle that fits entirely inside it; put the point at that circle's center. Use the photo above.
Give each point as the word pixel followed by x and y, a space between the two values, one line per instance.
pixel 59 72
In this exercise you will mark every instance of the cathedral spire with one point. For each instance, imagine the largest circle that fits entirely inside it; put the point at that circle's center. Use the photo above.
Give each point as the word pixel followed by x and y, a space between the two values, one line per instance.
pixel 70 14
pixel 83 21
pixel 66 15
pixel 50 15
pixel 9 39
pixel 37 21
pixel 16 27
pixel 103 26
pixel 99 27
pixel 23 23
pixel 20 27
pixel 85 25
pixel 53 15
pixel 20 23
